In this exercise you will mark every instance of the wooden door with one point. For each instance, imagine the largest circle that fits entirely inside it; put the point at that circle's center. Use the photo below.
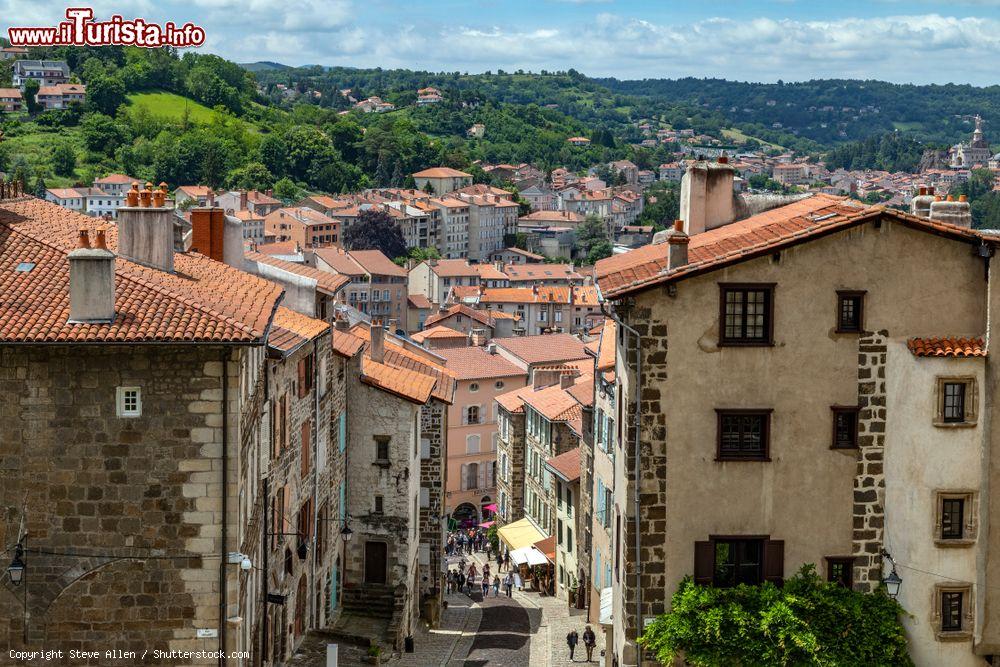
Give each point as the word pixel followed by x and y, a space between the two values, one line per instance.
pixel 376 555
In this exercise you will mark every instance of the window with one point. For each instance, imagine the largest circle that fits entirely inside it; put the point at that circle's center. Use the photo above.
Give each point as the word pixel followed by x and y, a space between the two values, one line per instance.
pixel 498 385
pixel 954 402
pixel 305 368
pixel 306 438
pixel 382 448
pixel 850 312
pixel 729 561
pixel 472 414
pixel 956 522
pixel 474 386
pixel 746 314
pixel 845 427
pixel 472 444
pixel 743 435
pixel 954 611
pixel 129 402
pixel 379 504
pixel 840 570
pixel 569 540
pixel 957 401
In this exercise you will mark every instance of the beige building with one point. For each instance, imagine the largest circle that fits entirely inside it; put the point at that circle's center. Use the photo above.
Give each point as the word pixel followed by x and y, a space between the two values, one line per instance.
pixel 442 180
pixel 734 327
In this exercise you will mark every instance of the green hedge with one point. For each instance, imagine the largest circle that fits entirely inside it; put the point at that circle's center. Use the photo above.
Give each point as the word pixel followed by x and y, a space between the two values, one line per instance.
pixel 806 622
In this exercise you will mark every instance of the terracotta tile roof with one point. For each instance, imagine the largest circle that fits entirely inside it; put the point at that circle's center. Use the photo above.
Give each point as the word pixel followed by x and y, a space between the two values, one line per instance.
pixel 292 329
pixel 811 217
pixel 64 193
pixel 340 261
pixel 376 263
pixel 118 179
pixel 489 272
pixel 441 172
pixel 436 333
pixel 546 348
pixel 346 344
pixel 405 383
pixel 947 347
pixel 258 197
pixel 469 363
pixel 419 301
pixel 398 356
pixel 562 217
pixel 484 317
pixel 278 248
pixel 331 283
pixel 583 391
pixel 454 268
pixel 194 190
pixel 463 293
pixel 524 253
pixel 606 346
pixel 203 301
pixel 566 465
pixel 519 272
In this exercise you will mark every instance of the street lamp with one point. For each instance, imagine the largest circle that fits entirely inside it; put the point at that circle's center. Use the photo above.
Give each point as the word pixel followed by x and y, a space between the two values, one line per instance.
pixel 346 533
pixel 892 581
pixel 16 568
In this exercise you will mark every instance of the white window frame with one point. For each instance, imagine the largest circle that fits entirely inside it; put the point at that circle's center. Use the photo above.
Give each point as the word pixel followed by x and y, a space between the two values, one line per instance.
pixel 121 402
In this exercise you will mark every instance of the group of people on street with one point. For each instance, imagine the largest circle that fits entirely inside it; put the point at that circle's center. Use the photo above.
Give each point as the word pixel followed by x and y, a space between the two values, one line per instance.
pixel 462 580
pixel 589 642
pixel 465 541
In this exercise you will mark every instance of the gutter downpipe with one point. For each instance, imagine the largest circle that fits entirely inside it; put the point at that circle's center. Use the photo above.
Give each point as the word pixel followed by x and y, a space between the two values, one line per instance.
pixel 223 602
pixel 638 458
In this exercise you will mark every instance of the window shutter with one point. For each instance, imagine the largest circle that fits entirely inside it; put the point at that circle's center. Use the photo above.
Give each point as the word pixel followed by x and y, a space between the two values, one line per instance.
pixel 302 378
pixel 774 561
pixel 482 476
pixel 704 563
pixel 306 447
pixel 465 476
pixel 343 431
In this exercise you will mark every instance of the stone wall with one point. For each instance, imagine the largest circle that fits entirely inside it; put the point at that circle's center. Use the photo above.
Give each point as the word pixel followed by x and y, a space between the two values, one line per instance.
pixel 141 496
pixel 513 446
pixel 433 430
pixel 869 481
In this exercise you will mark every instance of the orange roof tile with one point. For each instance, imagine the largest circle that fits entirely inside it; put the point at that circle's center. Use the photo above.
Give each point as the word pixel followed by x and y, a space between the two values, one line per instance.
pixel 441 172
pixel 437 332
pixel 292 329
pixel 203 300
pixel 485 317
pixel 419 301
pixel 529 272
pixel 566 465
pixel 606 347
pixel 811 217
pixel 545 348
pixel 331 283
pixel 405 383
pixel 947 347
pixel 399 356
pixel 377 264
pixel 346 344
pixel 468 363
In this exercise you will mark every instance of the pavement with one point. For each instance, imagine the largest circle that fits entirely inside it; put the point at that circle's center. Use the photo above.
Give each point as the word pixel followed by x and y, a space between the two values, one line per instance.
pixel 527 629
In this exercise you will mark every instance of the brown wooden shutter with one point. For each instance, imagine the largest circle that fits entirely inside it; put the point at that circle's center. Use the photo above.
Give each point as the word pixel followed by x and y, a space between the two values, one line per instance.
pixel 704 563
pixel 774 561
pixel 302 388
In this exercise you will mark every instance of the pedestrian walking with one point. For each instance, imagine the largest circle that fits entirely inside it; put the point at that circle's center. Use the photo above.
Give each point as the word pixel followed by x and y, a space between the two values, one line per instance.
pixel 589 642
pixel 450 580
pixel 486 570
pixel 486 588
pixel 460 581
pixel 506 561
pixel 571 640
pixel 508 584
pixel 496 585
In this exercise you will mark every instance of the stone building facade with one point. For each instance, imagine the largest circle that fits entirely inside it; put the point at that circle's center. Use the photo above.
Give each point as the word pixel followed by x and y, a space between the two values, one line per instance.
pixel 740 448
pixel 510 462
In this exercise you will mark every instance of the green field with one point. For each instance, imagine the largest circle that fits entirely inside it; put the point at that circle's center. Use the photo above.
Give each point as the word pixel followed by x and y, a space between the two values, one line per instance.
pixel 735 135
pixel 170 106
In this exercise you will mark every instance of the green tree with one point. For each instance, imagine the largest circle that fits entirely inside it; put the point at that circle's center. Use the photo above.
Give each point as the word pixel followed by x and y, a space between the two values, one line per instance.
pixel 251 176
pixel 105 94
pixel 64 160
pixel 808 621
pixel 286 190
pixel 40 187
pixel 4 156
pixel 591 235
pixel 101 134
pixel 375 230
pixel 29 94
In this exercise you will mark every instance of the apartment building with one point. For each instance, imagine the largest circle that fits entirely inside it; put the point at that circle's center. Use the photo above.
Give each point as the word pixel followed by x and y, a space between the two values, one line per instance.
pixel 564 474
pixel 542 310
pixel 543 275
pixel 377 285
pixel 116 185
pixel 434 278
pixel 491 218
pixel 61 95
pixel 479 326
pixel 733 323
pixel 45 72
pixel 10 99
pixel 441 180
pixel 305 226
pixel 481 375
pixel 453 242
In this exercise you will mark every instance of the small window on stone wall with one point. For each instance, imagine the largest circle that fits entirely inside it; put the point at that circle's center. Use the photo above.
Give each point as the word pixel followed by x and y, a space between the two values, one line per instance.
pixel 957 402
pixel 954 611
pixel 955 522
pixel 129 402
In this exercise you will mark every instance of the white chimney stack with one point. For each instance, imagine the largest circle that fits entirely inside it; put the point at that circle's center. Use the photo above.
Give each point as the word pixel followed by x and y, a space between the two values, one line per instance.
pixel 91 281
pixel 377 351
pixel 707 196
pixel 146 228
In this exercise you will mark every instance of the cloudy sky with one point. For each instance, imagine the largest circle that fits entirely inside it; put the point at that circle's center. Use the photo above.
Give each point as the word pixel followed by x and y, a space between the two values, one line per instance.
pixel 907 41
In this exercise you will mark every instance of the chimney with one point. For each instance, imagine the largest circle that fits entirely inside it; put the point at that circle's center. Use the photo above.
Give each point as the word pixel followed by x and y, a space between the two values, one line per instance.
pixel 377 351
pixel 707 199
pixel 146 231
pixel 91 281
pixel 208 232
pixel 566 380
pixel 243 200
pixel 491 348
pixel 677 255
pixel 951 211
pixel 210 198
pixel 269 192
pixel 340 322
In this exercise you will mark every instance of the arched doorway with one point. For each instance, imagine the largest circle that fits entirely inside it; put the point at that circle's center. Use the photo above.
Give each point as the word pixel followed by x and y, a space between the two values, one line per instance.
pixel 465 515
pixel 486 513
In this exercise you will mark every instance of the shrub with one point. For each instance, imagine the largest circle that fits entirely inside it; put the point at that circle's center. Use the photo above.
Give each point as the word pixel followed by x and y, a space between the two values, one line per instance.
pixel 806 622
